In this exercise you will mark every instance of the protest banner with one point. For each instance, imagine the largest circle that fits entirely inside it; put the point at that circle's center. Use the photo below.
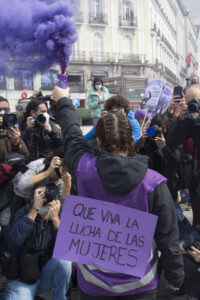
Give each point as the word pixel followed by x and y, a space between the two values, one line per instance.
pixel 105 235
pixel 158 97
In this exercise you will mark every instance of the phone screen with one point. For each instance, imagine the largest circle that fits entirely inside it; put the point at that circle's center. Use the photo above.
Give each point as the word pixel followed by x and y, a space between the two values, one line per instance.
pixel 178 91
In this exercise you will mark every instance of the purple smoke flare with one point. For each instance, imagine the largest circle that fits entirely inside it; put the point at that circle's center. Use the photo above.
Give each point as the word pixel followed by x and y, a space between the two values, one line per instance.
pixel 36 29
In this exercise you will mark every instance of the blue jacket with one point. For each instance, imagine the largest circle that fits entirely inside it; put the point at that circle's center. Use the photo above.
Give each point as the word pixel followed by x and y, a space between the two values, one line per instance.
pixel 44 232
pixel 136 130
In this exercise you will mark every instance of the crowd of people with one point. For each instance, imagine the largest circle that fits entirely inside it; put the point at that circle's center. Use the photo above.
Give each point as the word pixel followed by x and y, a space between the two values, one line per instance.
pixel 128 158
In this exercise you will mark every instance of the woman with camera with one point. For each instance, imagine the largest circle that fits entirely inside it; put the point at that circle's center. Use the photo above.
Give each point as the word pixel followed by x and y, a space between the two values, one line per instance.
pixel 30 246
pixel 40 134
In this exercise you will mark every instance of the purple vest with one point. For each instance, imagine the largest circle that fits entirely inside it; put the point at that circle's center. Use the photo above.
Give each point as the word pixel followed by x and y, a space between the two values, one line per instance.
pixel 101 282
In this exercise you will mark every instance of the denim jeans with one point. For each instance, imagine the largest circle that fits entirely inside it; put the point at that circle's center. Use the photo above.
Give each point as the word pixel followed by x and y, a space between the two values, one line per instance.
pixel 55 276
pixel 95 120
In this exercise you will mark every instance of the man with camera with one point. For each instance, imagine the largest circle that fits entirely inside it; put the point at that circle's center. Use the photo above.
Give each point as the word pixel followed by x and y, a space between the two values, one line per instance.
pixel 30 244
pixel 41 135
pixel 186 131
pixel 10 140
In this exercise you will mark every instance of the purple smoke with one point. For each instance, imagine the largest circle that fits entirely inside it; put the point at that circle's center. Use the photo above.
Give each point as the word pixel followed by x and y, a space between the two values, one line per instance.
pixel 33 28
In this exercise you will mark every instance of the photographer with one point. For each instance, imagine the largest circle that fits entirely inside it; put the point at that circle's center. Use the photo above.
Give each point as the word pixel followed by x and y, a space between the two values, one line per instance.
pixel 187 126
pixel 30 242
pixel 41 135
pixel 40 171
pixel 10 136
pixel 191 265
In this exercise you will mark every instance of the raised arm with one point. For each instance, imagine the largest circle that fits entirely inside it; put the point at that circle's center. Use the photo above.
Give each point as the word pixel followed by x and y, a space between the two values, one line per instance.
pixel 75 144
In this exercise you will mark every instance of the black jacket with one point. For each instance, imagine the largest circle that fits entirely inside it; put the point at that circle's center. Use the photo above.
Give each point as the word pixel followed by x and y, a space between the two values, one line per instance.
pixel 163 160
pixel 121 175
pixel 181 131
pixel 42 144
pixel 44 233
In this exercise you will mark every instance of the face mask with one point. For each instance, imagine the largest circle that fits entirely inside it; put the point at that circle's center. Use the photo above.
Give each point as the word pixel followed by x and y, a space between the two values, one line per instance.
pixel 98 86
pixel 47 117
pixel 2 112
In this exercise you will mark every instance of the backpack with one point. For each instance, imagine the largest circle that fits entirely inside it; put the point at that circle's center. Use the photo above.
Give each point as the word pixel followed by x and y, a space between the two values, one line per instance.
pixel 6 174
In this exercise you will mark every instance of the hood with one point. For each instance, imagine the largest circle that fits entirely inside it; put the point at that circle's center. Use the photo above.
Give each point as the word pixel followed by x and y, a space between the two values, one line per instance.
pixel 120 174
pixel 131 115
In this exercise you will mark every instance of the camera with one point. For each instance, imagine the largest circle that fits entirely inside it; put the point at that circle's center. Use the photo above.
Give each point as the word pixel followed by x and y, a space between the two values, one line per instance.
pixel 193 109
pixel 188 242
pixel 40 119
pixel 154 131
pixel 51 192
pixel 9 121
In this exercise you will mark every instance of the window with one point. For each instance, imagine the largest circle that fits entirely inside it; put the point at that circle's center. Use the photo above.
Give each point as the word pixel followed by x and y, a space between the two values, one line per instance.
pixel 49 80
pixel 127 45
pixel 75 4
pixel 98 46
pixel 2 80
pixel 127 13
pixel 99 75
pixel 96 7
pixel 23 79
pixel 76 81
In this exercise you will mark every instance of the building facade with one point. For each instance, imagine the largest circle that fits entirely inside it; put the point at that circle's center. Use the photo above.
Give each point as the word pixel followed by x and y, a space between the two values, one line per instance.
pixel 126 41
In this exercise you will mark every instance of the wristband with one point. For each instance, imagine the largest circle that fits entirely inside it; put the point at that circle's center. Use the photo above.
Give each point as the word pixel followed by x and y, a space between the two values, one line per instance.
pixel 35 209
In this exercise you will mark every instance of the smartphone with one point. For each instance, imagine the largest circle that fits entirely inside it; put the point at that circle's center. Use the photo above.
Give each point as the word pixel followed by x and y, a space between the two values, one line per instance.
pixel 178 92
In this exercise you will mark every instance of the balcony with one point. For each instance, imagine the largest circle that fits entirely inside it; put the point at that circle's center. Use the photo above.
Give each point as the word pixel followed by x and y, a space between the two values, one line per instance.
pixel 98 19
pixel 79 17
pixel 78 56
pixel 131 58
pixel 99 57
pixel 129 21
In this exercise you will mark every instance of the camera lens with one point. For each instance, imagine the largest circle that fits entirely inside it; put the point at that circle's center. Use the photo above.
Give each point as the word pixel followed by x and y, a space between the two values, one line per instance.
pixel 41 119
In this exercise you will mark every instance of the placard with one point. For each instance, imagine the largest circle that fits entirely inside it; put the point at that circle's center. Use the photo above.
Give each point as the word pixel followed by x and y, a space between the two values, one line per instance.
pixel 105 235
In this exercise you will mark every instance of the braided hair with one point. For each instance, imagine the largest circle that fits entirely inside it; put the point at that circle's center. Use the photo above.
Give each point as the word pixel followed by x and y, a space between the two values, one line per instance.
pixel 115 133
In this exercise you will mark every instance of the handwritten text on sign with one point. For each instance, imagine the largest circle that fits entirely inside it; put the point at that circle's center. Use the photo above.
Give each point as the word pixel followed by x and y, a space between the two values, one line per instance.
pixel 105 235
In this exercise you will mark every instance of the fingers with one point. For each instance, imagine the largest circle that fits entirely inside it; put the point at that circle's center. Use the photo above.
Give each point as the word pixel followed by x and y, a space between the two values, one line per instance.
pixel 195 250
pixel 54 205
pixel 56 162
pixel 59 93
pixel 15 132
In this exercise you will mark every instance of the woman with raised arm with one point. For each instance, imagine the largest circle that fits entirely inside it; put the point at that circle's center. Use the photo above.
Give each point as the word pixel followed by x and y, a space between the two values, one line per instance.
pixel 119 176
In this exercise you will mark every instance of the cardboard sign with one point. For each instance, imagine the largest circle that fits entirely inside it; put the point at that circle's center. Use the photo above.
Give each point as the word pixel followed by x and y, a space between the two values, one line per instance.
pixel 158 97
pixel 105 235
